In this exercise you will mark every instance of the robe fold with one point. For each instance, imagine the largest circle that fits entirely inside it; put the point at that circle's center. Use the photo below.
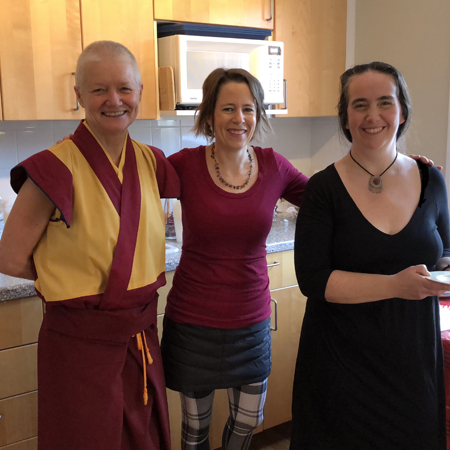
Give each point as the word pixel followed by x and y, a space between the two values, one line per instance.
pixel 99 264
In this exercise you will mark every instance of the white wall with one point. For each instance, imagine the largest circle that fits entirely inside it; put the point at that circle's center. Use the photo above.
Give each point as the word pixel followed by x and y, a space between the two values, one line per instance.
pixel 413 36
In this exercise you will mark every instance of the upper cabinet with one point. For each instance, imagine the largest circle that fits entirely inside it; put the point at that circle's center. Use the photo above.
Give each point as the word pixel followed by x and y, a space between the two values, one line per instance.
pixel 248 13
pixel 314 36
pixel 41 41
pixel 130 23
pixel 39 46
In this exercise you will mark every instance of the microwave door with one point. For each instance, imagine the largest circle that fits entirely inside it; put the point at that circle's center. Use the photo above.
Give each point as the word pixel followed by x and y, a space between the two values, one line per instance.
pixel 199 64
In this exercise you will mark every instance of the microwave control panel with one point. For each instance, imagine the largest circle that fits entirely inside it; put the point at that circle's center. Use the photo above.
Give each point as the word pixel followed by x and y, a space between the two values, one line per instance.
pixel 266 63
pixel 275 75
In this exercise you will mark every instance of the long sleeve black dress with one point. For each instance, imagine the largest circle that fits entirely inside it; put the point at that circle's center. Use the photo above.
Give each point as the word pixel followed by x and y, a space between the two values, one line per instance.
pixel 368 375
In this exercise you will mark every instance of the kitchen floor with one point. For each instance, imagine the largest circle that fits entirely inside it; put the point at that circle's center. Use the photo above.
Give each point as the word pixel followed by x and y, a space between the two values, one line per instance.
pixel 276 438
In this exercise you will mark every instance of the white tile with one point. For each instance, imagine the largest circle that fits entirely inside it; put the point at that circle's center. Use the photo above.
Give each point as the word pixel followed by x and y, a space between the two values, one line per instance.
pixel 165 123
pixel 140 130
pixel 188 139
pixel 33 137
pixel 291 137
pixel 167 139
pixel 6 192
pixel 8 145
pixel 328 143
pixel 62 128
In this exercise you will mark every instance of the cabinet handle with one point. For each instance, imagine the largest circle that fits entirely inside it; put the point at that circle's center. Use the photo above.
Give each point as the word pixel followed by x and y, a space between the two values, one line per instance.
pixel 76 99
pixel 285 94
pixel 271 11
pixel 274 264
pixel 275 328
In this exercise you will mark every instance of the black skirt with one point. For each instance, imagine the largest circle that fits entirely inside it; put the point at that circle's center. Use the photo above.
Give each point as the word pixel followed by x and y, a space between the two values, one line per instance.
pixel 199 358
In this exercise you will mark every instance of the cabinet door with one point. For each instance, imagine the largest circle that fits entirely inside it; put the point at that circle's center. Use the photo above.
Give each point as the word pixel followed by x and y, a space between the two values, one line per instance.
pixel 39 46
pixel 248 13
pixel 131 24
pixel 20 321
pixel 291 309
pixel 29 444
pixel 280 267
pixel 18 370
pixel 314 36
pixel 18 418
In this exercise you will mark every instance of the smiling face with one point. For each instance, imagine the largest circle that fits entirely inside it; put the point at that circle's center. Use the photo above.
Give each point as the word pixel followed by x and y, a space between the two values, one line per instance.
pixel 110 95
pixel 374 111
pixel 234 116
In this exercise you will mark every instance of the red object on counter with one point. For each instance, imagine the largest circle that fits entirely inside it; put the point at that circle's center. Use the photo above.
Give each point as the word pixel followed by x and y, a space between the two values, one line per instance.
pixel 446 348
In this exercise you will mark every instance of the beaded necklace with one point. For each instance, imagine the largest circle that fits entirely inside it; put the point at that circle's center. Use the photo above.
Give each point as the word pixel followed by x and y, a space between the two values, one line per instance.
pixel 219 176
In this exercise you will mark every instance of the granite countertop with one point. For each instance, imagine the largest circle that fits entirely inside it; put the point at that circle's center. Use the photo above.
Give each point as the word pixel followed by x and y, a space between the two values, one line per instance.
pixel 281 238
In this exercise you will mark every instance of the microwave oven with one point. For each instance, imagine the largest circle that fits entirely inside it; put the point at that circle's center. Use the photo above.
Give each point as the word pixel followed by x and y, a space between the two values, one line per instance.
pixel 193 58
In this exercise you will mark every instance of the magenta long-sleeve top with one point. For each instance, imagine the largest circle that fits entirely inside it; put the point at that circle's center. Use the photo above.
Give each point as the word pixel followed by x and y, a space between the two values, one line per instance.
pixel 222 280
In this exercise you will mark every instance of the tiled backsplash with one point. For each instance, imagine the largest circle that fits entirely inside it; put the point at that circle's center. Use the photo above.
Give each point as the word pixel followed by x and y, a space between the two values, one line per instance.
pixel 294 138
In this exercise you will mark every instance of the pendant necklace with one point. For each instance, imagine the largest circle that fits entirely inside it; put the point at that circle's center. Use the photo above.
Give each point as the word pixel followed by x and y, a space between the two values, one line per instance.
pixel 375 182
pixel 219 176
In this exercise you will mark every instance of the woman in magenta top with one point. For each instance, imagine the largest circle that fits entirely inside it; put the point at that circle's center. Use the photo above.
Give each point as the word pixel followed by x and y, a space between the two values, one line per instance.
pixel 217 326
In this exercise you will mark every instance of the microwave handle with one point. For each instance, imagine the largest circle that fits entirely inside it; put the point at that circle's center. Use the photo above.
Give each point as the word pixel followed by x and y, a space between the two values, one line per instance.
pixel 271 11
pixel 285 94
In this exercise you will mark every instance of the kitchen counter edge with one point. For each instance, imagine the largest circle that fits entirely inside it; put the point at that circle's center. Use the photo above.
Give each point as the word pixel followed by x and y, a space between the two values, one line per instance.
pixel 281 238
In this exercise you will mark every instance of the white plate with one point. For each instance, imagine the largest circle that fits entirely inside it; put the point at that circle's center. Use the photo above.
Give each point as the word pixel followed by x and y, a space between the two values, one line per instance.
pixel 441 276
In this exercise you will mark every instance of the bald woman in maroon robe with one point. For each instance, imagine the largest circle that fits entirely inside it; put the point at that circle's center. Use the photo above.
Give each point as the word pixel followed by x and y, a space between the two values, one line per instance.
pixel 88 227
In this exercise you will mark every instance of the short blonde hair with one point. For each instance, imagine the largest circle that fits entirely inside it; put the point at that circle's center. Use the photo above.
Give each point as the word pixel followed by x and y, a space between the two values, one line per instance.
pixel 100 50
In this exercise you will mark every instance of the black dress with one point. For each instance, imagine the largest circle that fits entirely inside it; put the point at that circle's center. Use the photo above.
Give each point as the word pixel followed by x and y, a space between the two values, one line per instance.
pixel 368 375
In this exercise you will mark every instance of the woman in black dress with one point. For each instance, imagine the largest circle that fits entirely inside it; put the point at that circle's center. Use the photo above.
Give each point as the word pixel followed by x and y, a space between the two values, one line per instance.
pixel 369 370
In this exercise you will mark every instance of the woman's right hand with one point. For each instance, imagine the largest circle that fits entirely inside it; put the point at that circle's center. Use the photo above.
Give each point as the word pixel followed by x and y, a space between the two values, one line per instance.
pixel 411 284
pixel 64 138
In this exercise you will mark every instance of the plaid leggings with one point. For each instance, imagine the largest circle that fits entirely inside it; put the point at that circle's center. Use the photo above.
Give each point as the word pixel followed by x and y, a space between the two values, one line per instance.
pixel 246 413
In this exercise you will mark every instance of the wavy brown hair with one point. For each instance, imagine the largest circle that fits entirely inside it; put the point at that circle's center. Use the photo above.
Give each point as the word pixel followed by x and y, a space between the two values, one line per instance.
pixel 211 88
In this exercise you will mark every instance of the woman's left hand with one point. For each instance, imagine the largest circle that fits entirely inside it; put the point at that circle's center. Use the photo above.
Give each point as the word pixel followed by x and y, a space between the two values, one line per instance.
pixel 425 160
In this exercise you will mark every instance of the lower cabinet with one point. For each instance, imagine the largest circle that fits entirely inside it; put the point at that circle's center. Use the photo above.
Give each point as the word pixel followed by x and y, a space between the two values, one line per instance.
pixel 286 320
pixel 290 310
pixel 20 321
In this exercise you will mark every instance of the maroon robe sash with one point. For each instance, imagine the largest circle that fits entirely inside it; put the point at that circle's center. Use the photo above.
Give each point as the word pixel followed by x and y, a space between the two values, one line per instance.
pixel 126 198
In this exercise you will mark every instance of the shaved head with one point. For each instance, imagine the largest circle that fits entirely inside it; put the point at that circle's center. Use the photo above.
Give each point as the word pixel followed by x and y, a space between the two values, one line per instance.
pixel 104 51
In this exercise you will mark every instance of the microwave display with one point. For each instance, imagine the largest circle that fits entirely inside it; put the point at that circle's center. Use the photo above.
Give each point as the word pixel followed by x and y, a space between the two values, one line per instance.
pixel 274 50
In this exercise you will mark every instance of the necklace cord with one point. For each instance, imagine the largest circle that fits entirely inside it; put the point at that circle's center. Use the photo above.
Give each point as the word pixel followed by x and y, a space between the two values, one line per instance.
pixel 371 174
pixel 376 182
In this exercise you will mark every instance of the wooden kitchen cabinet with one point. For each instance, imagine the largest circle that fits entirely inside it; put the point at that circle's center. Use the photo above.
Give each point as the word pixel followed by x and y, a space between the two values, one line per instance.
pixel 290 311
pixel 39 46
pixel 314 36
pixel 19 418
pixel 40 42
pixel 249 13
pixel 287 318
pixel 28 444
pixel 131 24
pixel 20 321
